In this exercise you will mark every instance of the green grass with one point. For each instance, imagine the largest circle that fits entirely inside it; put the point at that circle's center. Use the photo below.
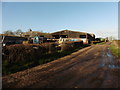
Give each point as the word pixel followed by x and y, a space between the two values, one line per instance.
pixel 115 51
pixel 8 68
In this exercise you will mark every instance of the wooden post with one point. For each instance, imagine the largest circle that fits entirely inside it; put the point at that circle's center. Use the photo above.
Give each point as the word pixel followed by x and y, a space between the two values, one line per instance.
pixel 86 39
pixel 49 48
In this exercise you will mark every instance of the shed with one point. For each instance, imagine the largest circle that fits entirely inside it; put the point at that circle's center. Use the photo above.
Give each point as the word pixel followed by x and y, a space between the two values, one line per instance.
pixel 8 40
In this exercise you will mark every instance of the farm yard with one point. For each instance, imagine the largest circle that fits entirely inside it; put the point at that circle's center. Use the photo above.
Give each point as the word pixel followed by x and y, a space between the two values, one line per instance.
pixel 35 48
pixel 59 45
pixel 77 61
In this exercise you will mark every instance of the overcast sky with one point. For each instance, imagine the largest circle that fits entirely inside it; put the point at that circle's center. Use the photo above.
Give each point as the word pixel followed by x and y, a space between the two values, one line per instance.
pixel 100 18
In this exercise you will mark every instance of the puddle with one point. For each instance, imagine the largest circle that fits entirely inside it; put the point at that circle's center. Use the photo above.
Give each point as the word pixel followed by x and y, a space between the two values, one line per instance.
pixel 109 55
pixel 102 65
pixel 108 61
pixel 110 66
pixel 114 66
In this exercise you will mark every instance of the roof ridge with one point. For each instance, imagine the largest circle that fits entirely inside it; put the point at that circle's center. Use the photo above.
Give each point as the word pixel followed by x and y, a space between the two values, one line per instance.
pixel 68 30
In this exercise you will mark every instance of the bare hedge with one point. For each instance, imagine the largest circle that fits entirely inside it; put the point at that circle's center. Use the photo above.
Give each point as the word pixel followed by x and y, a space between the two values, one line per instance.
pixel 21 52
pixel 26 52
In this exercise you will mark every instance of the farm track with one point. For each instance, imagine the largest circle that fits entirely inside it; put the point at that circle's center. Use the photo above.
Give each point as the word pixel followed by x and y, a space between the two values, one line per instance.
pixel 90 67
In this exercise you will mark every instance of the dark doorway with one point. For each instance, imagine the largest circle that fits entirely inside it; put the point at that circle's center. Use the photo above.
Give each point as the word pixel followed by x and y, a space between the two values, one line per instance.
pixel 41 35
pixel 56 36
pixel 64 36
pixel 82 36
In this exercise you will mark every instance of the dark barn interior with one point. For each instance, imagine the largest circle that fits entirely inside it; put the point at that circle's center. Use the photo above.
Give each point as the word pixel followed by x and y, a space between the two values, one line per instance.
pixel 58 36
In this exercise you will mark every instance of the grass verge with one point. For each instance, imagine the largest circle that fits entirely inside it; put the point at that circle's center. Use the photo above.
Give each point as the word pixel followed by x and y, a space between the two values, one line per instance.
pixel 115 50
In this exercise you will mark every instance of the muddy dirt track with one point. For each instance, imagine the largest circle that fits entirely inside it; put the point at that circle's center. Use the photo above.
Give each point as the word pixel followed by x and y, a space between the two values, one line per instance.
pixel 91 67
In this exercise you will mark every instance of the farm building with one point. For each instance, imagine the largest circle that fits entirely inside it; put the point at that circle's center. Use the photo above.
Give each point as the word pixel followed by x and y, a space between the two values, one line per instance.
pixel 86 37
pixel 39 39
pixel 8 40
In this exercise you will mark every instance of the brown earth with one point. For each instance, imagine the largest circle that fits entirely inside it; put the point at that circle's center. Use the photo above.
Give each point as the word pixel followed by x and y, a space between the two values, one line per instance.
pixel 91 67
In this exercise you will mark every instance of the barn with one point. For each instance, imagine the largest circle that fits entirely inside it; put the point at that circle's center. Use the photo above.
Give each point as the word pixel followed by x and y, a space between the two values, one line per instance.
pixel 86 37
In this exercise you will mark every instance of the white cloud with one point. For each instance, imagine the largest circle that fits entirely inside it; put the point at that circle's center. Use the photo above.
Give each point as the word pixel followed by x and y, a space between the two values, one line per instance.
pixel 107 33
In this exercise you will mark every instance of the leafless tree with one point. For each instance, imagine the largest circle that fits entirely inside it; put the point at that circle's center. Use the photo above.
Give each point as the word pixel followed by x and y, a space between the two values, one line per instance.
pixel 8 32
pixel 18 32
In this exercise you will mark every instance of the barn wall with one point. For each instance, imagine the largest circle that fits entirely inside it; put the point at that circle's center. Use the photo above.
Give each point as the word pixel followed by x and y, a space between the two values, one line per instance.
pixel 73 34
pixel 70 34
